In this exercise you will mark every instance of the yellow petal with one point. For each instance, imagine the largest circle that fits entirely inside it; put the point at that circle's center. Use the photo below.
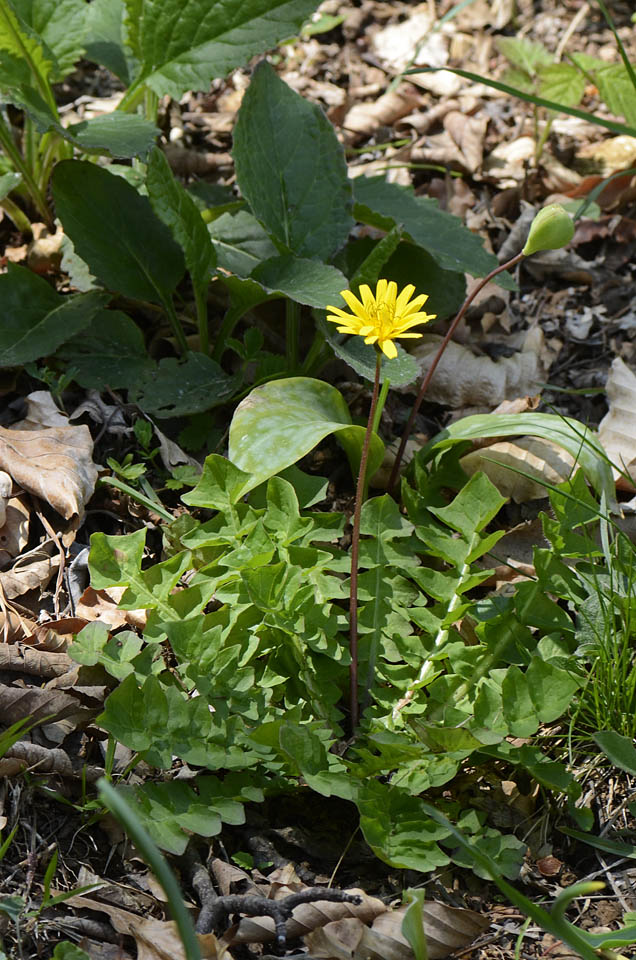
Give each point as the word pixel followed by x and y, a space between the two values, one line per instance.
pixel 388 348
pixel 380 290
pixel 353 303
pixel 403 299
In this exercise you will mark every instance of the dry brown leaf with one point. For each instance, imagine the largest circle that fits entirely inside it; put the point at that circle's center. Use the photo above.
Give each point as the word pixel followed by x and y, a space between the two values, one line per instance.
pixel 365 118
pixel 544 460
pixel 464 380
pixel 102 605
pixel 607 156
pixel 6 485
pixel 21 658
pixel 54 463
pixel 43 254
pixel 507 163
pixel 447 928
pixel 414 42
pixel 617 429
pixel 28 756
pixel 14 534
pixel 468 133
pixel 306 917
pixel 18 702
pixel 227 874
pixel 31 572
pixel 155 939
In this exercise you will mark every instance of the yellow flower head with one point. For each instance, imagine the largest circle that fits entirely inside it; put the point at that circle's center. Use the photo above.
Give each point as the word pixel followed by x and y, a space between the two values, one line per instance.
pixel 383 316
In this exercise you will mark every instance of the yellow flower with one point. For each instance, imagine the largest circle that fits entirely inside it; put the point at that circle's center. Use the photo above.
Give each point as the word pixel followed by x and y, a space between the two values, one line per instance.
pixel 383 316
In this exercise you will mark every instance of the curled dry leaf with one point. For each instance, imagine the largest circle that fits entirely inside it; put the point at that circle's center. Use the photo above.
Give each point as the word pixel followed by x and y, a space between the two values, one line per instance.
pixel 155 939
pixel 365 118
pixel 29 573
pixel 617 429
pixel 22 658
pixel 103 605
pixel 542 460
pixel 53 463
pixel 447 930
pixel 14 533
pixel 19 702
pixel 308 916
pixel 464 380
pixel 6 484
pixel 25 756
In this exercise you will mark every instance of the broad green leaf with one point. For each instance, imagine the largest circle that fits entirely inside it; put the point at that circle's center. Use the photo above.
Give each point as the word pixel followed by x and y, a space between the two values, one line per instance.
pixel 443 235
pixel 109 353
pixel 361 356
pixel 115 231
pixel 18 40
pixel 176 208
pixel 114 561
pixel 221 485
pixel 618 749
pixel 306 281
pixel 568 433
pixel 136 715
pixel 562 82
pixel 177 388
pixel 397 829
pixel 281 421
pixel 183 47
pixel 240 242
pixel 412 928
pixel 69 951
pixel 551 689
pixel 94 645
pixel 476 504
pixel 36 319
pixel 524 53
pixel 105 38
pixel 291 168
pixel 8 182
pixel 119 135
pixel 445 289
pixel 171 812
pixel 61 25
pixel 616 89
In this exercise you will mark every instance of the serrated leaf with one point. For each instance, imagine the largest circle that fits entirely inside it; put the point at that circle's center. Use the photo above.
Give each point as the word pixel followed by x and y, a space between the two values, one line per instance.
pixel 115 231
pixel 109 353
pixel 524 53
pixel 443 235
pixel 185 47
pixel 362 357
pixel 240 242
pixel 18 40
pixel 174 206
pixel 305 281
pixel 36 319
pixel 177 388
pixel 291 168
pixel 61 24
pixel 561 82
pixel 617 90
pixel 281 421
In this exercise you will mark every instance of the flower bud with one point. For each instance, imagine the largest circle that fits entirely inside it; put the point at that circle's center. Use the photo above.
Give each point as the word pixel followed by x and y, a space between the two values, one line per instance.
pixel 551 228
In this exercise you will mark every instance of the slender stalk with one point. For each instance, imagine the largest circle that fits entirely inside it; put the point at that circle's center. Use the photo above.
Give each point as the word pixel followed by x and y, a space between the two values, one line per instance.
pixel 292 331
pixel 438 356
pixel 182 343
pixel 201 300
pixel 9 146
pixel 355 549
pixel 18 216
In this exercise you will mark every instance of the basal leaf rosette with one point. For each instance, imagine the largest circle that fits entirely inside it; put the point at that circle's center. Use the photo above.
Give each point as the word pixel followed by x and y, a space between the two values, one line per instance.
pixel 383 316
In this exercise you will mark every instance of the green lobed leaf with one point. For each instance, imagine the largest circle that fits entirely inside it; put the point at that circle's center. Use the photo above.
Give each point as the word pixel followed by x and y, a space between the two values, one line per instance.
pixel 61 25
pixel 524 53
pixel 36 319
pixel 183 47
pixel 281 421
pixel 176 208
pixel 291 168
pixel 617 90
pixel 443 235
pixel 177 388
pixel 115 231
pixel 562 82
pixel 23 44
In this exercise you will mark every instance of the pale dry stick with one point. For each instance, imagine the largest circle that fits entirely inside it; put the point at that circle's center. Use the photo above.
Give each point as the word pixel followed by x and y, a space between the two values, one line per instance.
pixel 436 359
pixel 355 545
pixel 60 573
pixel 574 25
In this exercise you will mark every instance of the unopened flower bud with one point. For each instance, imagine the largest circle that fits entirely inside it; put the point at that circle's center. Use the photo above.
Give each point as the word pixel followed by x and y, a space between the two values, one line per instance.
pixel 551 228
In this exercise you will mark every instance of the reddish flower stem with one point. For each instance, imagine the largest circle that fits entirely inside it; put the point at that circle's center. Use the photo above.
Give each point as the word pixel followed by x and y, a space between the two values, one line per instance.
pixel 355 549
pixel 438 356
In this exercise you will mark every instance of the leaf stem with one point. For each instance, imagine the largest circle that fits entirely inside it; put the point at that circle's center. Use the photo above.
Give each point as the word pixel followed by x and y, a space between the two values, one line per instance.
pixel 292 330
pixel 438 356
pixel 201 301
pixel 177 328
pixel 9 146
pixel 355 549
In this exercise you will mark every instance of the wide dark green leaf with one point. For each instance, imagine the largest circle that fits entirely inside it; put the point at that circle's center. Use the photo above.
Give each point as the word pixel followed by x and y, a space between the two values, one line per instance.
pixel 120 135
pixel 443 235
pixel 176 208
pixel 105 38
pixel 184 46
pixel 36 319
pixel 291 168
pixel 109 353
pixel 240 242
pixel 61 25
pixel 306 281
pixel 115 231
pixel 362 357
pixel 177 388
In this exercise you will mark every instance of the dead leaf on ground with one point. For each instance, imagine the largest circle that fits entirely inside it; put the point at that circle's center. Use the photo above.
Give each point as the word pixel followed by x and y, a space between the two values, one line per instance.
pixel 30 572
pixel 544 461
pixel 414 42
pixel 307 916
pixel 14 532
pixel 53 463
pixel 465 380
pixel 21 658
pixel 102 605
pixel 25 755
pixel 155 939
pixel 617 429
pixel 365 118
pixel 18 702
